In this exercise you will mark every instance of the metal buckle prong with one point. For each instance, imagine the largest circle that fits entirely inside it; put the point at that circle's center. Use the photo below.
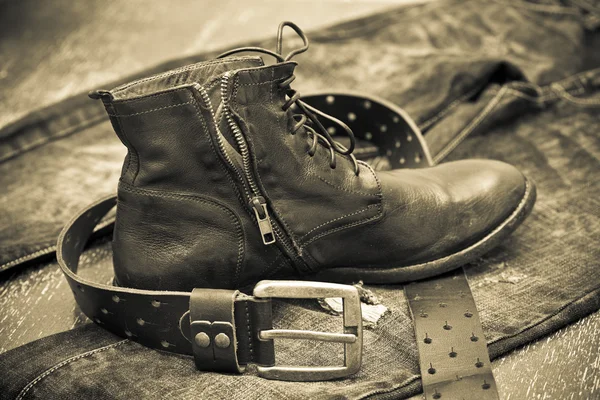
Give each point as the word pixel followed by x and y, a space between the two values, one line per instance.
pixel 352 336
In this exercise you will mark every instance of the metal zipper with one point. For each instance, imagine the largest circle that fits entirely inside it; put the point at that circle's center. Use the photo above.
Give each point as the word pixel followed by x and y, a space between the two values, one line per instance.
pixel 219 137
pixel 255 199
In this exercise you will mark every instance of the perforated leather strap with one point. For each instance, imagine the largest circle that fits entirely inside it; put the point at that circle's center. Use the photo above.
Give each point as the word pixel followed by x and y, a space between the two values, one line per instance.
pixel 453 353
pixel 218 327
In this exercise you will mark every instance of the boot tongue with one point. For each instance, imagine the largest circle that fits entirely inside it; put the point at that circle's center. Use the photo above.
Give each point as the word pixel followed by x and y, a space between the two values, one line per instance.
pixel 202 73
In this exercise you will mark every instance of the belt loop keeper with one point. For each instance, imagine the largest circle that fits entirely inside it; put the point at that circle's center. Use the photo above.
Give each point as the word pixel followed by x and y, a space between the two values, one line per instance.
pixel 213 330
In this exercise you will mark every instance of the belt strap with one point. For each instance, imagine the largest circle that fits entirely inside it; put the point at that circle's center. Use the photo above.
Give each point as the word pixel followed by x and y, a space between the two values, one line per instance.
pixel 453 353
pixel 223 329
pixel 218 327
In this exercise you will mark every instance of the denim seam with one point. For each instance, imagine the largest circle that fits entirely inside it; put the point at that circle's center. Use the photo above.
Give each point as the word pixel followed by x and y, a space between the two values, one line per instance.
pixel 545 318
pixel 53 136
pixel 44 251
pixel 541 8
pixel 61 364
pixel 442 113
pixel 564 94
pixel 471 126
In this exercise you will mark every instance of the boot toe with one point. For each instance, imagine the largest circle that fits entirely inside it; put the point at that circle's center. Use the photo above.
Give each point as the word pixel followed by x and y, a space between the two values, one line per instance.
pixel 484 194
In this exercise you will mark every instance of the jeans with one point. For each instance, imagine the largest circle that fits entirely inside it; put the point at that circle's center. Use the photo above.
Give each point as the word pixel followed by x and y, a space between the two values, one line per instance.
pixel 507 80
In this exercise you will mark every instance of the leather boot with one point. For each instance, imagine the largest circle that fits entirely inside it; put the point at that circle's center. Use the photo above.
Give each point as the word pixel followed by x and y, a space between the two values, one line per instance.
pixel 225 184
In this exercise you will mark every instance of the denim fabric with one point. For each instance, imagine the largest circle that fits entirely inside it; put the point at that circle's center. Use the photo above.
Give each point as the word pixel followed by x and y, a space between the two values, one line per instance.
pixel 502 80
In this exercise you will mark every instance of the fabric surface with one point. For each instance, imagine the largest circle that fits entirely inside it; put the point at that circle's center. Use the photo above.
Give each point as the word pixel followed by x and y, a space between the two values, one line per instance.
pixel 502 80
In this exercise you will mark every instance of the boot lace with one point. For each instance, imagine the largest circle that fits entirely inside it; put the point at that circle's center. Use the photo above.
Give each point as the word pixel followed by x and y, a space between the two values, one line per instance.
pixel 309 115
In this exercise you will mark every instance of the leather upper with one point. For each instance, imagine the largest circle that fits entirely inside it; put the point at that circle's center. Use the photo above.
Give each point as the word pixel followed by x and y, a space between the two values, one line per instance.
pixel 183 218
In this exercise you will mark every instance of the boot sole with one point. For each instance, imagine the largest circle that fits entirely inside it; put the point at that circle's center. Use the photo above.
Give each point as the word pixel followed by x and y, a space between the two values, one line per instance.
pixel 441 265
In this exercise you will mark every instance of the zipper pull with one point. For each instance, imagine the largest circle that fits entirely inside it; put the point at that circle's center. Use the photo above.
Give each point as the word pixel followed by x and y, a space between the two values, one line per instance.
pixel 259 205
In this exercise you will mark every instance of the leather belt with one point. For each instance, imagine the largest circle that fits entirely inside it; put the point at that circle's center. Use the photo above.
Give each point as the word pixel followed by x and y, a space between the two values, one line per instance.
pixel 453 354
pixel 224 330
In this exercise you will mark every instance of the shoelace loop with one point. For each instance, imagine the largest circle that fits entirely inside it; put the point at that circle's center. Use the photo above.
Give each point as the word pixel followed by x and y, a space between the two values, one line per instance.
pixel 309 114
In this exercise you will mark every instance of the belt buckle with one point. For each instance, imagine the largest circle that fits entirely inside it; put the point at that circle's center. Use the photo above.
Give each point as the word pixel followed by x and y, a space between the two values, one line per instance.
pixel 352 336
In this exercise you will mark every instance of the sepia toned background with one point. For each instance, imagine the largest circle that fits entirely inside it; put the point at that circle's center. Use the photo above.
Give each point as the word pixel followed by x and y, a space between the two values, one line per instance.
pixel 50 51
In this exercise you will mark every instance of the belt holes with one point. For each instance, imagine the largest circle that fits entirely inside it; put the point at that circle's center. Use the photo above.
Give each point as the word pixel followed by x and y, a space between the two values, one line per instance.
pixel 452 353
pixel 155 303
pixel 431 370
pixel 140 321
pixel 447 327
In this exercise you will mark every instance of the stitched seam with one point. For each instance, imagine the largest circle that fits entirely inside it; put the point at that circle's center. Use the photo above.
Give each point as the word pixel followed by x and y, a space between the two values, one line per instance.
pixel 362 210
pixel 378 215
pixel 268 267
pixel 133 149
pixel 159 93
pixel 249 333
pixel 27 257
pixel 285 262
pixel 344 227
pixel 469 128
pixel 180 69
pixel 61 364
pixel 198 199
pixel 218 139
pixel 224 169
pixel 344 189
pixel 149 111
pixel 233 104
